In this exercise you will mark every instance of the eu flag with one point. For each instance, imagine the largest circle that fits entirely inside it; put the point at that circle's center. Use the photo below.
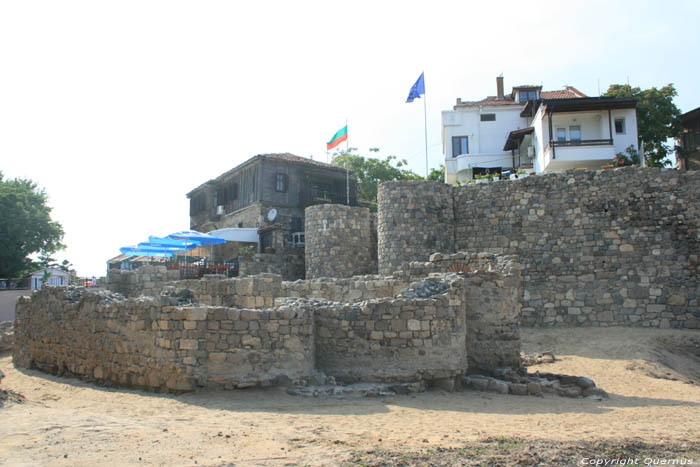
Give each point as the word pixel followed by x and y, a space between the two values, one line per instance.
pixel 417 90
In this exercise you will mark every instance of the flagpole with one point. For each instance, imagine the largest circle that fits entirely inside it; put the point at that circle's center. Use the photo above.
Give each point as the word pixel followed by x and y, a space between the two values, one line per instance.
pixel 425 126
pixel 347 170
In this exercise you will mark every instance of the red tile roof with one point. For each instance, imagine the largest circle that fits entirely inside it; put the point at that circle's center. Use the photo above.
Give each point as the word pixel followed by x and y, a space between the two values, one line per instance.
pixel 569 92
pixel 491 100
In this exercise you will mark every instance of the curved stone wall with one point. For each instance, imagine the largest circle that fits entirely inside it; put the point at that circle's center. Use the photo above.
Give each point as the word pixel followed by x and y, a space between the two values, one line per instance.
pixel 338 241
pixel 415 220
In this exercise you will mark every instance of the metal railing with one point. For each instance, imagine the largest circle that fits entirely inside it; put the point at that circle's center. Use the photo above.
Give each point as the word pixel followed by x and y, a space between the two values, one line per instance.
pixel 582 142
pixel 198 269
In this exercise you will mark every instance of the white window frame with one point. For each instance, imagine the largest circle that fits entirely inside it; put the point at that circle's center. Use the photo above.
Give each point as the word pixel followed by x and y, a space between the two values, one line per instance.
pixel 557 134
pixel 571 132
pixel 624 126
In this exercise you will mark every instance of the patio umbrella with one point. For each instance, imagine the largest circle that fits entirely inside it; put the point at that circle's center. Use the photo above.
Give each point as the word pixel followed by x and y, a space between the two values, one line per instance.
pixel 171 247
pixel 198 237
pixel 144 251
pixel 201 238
pixel 165 241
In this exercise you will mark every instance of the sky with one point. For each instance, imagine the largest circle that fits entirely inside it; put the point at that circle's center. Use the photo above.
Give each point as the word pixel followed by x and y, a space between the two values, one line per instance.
pixel 117 109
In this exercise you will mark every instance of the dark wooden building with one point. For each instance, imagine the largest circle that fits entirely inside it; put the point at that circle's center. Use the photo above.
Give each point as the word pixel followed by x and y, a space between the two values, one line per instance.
pixel 269 192
pixel 689 156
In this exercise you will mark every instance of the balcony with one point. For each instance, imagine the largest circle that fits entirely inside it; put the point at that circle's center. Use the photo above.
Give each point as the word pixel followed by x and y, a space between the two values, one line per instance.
pixel 565 155
pixel 469 161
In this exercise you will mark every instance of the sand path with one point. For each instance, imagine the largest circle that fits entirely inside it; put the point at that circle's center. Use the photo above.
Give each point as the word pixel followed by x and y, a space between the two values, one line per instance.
pixel 67 422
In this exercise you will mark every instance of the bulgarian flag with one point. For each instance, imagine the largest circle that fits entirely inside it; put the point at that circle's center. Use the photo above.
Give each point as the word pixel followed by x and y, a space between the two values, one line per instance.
pixel 339 136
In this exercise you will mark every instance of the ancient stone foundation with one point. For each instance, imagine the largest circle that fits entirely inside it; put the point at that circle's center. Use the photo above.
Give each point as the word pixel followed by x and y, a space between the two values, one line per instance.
pixel 241 332
pixel 612 247
pixel 139 343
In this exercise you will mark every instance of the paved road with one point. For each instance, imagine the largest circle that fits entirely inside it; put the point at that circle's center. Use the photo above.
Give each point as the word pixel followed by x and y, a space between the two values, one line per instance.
pixel 8 298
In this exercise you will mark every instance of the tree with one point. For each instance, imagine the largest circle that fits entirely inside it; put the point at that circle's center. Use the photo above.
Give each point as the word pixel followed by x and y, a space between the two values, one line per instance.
pixel 25 227
pixel 437 175
pixel 657 119
pixel 370 172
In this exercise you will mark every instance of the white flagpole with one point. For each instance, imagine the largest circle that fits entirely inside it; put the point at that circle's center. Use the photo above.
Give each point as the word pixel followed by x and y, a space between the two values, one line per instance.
pixel 425 125
pixel 347 170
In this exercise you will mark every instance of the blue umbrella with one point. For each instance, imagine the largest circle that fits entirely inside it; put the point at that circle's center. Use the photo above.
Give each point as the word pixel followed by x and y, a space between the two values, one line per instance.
pixel 143 251
pixel 165 241
pixel 182 246
pixel 198 237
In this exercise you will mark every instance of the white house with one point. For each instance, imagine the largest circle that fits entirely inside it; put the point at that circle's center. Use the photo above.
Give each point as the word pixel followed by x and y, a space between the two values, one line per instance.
pixel 535 130
pixel 56 277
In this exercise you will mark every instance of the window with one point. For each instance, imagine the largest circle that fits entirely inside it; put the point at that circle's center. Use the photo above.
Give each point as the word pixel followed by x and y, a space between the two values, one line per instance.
pixel 227 193
pixel 528 96
pixel 197 204
pixel 561 134
pixel 281 182
pixel 265 241
pixel 620 126
pixel 575 132
pixel 488 117
pixel 460 145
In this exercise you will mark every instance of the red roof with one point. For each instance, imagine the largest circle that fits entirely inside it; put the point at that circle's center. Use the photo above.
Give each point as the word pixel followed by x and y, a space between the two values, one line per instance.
pixel 491 100
pixel 569 92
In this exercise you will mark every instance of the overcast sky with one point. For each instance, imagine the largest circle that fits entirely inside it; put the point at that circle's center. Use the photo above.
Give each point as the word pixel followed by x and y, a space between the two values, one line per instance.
pixel 118 109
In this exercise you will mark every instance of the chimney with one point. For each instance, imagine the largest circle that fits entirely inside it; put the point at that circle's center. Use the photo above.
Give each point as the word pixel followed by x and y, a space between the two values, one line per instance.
pixel 499 87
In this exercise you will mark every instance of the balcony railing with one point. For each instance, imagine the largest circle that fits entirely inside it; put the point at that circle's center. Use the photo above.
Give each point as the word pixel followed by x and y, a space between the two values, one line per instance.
pixel 581 142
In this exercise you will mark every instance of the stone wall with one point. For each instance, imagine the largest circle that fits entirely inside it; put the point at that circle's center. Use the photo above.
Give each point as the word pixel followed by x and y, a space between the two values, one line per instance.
pixel 147 280
pixel 338 241
pixel 615 247
pixel 402 339
pixel 101 337
pixel 288 263
pixel 245 292
pixel 491 294
pixel 224 333
pixel 344 290
pixel 415 219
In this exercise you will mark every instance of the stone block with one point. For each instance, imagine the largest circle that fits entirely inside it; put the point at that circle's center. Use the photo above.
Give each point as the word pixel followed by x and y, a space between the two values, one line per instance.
pixel 413 325
pixel 189 344
pixel 517 389
pixel 196 314
pixel 676 300
pixel 500 387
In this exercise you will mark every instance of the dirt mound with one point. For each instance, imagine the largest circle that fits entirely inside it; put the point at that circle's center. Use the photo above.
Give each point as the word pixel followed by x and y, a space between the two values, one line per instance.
pixel 514 451
pixel 672 357
pixel 9 396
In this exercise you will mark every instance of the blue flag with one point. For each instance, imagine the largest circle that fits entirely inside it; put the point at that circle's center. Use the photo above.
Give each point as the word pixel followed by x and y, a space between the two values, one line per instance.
pixel 417 90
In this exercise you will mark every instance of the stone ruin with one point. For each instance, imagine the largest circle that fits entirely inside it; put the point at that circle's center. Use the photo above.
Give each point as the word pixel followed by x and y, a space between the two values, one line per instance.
pixel 421 325
pixel 578 248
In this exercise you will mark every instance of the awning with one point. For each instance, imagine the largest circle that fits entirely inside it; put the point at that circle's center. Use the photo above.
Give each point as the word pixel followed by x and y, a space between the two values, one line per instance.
pixel 516 137
pixel 247 235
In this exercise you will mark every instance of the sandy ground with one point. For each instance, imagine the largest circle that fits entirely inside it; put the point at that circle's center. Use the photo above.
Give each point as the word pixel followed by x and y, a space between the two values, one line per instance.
pixel 67 422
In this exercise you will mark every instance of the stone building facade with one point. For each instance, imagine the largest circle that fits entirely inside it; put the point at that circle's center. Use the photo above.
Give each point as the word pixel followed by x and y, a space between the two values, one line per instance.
pixel 612 247
pixel 268 192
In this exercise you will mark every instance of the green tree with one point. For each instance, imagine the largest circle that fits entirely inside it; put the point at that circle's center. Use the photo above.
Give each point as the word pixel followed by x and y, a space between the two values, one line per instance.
pixel 437 175
pixel 25 227
pixel 370 172
pixel 657 119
